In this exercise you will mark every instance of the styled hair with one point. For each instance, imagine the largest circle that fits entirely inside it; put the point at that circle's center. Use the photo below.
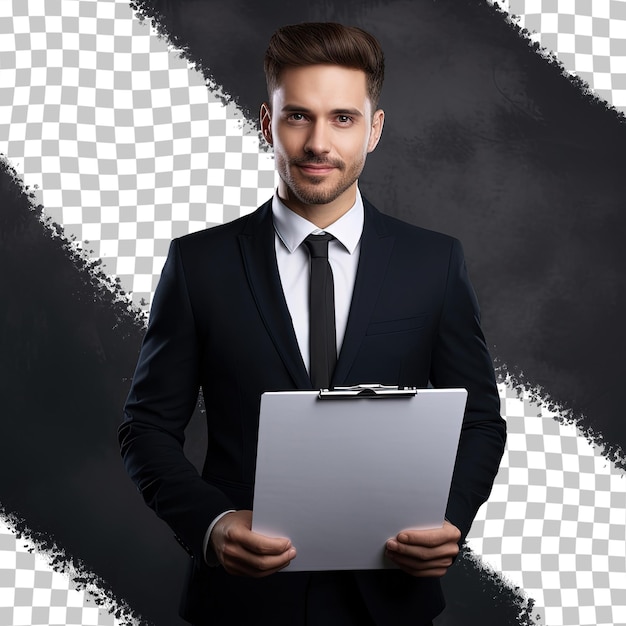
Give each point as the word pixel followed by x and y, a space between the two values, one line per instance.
pixel 316 43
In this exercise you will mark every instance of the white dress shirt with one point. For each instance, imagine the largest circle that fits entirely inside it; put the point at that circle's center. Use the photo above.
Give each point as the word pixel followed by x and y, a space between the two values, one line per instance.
pixel 294 269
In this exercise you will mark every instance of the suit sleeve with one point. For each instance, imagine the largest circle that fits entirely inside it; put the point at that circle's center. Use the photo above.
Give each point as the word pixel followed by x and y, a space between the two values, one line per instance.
pixel 461 359
pixel 162 398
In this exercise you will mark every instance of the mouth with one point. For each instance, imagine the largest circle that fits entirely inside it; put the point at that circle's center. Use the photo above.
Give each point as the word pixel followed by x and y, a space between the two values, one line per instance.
pixel 315 169
pixel 312 167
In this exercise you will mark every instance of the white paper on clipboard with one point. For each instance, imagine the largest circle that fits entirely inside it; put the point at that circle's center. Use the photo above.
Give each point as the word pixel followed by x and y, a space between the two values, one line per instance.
pixel 340 477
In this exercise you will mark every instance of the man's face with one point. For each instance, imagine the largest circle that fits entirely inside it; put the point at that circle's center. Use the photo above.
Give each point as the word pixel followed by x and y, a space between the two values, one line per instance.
pixel 322 128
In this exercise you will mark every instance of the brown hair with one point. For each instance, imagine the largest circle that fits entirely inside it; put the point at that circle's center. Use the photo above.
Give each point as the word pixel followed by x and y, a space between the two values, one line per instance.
pixel 317 43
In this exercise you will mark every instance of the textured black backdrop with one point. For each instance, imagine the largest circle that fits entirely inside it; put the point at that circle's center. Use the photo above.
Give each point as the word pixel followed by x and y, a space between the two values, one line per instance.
pixel 483 140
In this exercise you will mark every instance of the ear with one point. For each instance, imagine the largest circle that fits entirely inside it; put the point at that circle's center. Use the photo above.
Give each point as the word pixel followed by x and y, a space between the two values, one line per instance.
pixel 378 120
pixel 266 122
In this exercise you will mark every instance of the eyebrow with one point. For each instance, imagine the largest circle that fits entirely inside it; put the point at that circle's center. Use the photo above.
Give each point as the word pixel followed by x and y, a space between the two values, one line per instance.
pixel 293 108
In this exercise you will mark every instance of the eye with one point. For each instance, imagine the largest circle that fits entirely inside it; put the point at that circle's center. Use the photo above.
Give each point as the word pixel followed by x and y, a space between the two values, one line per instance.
pixel 296 117
pixel 344 119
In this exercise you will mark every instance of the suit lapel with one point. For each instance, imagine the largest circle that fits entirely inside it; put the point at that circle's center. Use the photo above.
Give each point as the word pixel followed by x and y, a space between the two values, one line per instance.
pixel 376 247
pixel 259 255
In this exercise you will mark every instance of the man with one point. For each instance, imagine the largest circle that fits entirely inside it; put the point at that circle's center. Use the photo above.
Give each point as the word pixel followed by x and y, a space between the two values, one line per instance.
pixel 231 315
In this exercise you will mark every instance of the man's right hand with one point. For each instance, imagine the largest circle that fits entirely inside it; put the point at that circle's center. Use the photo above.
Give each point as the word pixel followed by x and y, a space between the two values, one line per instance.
pixel 245 553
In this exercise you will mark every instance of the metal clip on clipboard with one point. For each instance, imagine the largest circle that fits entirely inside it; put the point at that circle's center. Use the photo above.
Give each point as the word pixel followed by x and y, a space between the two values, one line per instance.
pixel 367 392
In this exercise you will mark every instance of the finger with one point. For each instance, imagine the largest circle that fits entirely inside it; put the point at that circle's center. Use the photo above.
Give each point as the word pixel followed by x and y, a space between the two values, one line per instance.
pixel 244 563
pixel 240 533
pixel 239 551
pixel 261 544
pixel 431 537
pixel 418 564
pixel 269 563
pixel 423 553
pixel 435 568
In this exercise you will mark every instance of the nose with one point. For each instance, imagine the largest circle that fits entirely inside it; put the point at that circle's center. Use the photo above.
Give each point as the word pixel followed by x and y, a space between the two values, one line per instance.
pixel 318 139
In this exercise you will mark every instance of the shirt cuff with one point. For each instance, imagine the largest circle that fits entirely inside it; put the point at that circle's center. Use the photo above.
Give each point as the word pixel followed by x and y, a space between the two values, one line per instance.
pixel 209 556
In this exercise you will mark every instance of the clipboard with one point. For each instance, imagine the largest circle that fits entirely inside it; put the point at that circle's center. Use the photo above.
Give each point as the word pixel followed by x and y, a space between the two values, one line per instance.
pixel 341 471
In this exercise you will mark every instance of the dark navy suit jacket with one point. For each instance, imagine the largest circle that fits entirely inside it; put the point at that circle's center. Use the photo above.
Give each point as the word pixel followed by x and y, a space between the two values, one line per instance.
pixel 219 321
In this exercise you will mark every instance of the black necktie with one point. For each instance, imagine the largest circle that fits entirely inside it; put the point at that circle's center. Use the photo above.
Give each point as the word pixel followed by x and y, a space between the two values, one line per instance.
pixel 322 336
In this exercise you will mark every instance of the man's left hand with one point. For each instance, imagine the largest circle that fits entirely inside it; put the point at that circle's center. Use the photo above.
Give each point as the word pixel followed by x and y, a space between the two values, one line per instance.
pixel 425 552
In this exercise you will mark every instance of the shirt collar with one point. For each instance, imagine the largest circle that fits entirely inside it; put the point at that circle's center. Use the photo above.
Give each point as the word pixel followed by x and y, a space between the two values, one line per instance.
pixel 292 229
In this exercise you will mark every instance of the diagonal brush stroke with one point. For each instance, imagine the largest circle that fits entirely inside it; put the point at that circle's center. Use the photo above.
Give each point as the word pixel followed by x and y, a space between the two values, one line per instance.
pixel 587 39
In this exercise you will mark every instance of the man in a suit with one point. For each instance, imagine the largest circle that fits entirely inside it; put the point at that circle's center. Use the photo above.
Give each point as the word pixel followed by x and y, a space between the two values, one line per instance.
pixel 231 315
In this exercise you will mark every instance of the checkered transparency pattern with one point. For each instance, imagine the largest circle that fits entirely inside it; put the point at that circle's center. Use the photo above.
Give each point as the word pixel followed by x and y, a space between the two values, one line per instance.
pixel 129 147
pixel 555 523
pixel 32 593
pixel 587 36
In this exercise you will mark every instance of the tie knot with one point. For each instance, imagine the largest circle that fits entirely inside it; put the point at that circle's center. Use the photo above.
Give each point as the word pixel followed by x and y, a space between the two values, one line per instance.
pixel 318 245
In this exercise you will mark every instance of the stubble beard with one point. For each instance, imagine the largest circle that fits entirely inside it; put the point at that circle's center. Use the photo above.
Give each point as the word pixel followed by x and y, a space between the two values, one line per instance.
pixel 313 191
